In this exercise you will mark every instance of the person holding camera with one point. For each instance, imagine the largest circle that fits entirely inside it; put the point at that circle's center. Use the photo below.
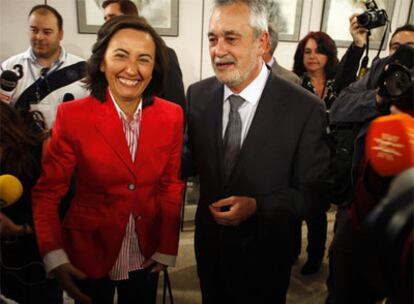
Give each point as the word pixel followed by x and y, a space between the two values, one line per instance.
pixel 359 104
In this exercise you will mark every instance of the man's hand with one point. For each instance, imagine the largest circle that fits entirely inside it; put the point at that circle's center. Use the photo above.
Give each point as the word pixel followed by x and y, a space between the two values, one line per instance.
pixel 359 34
pixel 65 274
pixel 153 265
pixel 241 208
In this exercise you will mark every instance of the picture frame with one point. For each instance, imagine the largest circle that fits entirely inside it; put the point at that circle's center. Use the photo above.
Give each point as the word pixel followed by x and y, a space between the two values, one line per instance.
pixel 335 20
pixel 411 14
pixel 161 14
pixel 286 15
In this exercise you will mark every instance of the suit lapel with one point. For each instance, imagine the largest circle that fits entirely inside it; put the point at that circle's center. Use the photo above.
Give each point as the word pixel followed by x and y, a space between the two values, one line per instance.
pixel 215 112
pixel 109 126
pixel 269 109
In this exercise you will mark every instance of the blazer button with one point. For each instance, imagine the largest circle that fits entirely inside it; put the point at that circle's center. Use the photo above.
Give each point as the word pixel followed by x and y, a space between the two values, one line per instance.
pixel 139 217
pixel 131 187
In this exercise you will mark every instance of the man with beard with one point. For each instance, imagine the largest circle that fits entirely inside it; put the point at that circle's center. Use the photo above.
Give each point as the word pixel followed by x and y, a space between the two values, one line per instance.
pixel 258 145
pixel 50 74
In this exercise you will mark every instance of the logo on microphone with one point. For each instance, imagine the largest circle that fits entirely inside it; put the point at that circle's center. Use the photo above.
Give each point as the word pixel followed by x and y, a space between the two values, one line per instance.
pixel 8 82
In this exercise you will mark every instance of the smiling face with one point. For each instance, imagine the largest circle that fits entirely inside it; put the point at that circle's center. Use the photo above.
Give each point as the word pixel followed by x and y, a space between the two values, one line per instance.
pixel 234 50
pixel 128 64
pixel 312 59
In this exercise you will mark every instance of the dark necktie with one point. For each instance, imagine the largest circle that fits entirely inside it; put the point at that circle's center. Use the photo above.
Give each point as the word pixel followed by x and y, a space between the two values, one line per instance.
pixel 232 136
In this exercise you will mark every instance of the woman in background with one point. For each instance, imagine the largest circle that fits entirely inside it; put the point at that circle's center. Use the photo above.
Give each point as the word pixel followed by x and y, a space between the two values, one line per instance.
pixel 22 274
pixel 316 62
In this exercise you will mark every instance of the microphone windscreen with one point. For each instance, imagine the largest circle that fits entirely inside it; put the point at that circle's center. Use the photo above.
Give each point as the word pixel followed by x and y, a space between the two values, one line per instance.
pixel 8 80
pixel 11 190
pixel 68 97
pixel 390 144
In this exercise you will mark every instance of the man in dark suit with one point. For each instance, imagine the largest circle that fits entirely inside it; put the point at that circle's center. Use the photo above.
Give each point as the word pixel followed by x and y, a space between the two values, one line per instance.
pixel 253 195
pixel 272 62
pixel 174 87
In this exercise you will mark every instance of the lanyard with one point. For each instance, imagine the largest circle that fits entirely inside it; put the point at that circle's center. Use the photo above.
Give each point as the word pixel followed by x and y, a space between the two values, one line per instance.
pixel 44 73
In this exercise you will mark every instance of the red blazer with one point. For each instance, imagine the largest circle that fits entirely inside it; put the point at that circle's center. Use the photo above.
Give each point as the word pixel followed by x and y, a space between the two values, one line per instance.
pixel 88 139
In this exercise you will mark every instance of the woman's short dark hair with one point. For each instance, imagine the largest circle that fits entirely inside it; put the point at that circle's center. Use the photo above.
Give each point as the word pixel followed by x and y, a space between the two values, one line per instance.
pixel 326 46
pixel 95 79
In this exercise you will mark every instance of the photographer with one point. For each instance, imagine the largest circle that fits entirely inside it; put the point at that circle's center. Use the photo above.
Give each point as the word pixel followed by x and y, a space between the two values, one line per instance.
pixel 359 104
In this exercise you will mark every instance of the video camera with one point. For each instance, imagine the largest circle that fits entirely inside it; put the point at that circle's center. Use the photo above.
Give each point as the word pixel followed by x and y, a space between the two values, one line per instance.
pixel 373 17
pixel 396 82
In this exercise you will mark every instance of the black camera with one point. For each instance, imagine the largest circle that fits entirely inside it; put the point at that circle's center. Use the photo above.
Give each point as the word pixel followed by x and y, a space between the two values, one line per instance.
pixel 373 17
pixel 396 83
pixel 388 242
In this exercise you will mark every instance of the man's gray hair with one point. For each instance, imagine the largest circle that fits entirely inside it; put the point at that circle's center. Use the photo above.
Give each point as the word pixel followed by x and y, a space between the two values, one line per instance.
pixel 273 37
pixel 258 13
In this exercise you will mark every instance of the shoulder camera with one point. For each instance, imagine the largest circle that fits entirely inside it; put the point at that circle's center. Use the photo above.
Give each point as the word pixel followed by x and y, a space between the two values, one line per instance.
pixel 396 82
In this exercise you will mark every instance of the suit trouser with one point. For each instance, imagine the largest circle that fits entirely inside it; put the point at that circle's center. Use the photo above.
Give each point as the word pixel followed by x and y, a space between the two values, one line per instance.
pixel 241 266
pixel 141 287
pixel 317 230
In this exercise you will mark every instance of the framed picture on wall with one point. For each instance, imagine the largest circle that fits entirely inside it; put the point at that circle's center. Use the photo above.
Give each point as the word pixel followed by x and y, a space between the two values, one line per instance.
pixel 335 20
pixel 411 14
pixel 161 14
pixel 286 15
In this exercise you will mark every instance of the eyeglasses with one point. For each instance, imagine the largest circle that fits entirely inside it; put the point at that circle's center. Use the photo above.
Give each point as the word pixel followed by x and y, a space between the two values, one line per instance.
pixel 42 85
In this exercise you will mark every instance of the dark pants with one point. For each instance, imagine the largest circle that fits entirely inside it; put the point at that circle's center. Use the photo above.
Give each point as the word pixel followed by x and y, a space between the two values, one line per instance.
pixel 244 264
pixel 141 287
pixel 317 229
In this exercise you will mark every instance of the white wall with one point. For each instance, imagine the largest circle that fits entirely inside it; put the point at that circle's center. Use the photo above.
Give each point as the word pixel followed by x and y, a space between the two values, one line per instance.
pixel 191 45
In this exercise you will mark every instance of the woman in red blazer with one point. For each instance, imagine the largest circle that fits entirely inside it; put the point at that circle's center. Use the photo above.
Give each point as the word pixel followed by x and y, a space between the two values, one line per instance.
pixel 124 145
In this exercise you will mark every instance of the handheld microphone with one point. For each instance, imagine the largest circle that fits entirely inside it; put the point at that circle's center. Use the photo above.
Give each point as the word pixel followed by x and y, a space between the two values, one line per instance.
pixel 390 144
pixel 8 82
pixel 11 189
pixel 68 97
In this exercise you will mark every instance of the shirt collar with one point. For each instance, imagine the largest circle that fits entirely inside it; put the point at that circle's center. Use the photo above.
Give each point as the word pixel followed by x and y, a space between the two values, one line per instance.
pixel 270 62
pixel 32 57
pixel 121 113
pixel 253 91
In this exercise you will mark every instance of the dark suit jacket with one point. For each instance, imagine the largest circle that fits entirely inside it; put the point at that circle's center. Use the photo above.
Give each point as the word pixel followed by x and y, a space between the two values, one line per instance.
pixel 285 73
pixel 174 87
pixel 283 164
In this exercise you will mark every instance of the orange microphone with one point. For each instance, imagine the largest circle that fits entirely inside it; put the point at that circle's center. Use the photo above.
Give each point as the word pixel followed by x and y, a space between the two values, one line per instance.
pixel 11 190
pixel 390 144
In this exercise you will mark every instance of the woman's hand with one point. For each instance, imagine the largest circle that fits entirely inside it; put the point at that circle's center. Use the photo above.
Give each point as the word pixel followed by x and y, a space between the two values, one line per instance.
pixel 65 274
pixel 154 266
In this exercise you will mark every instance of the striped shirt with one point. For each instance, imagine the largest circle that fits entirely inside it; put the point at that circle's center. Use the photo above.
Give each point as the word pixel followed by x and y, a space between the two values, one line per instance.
pixel 130 257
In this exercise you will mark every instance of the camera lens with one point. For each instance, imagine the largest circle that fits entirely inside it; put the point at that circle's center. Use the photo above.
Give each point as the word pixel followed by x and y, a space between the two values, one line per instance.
pixel 397 83
pixel 364 19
